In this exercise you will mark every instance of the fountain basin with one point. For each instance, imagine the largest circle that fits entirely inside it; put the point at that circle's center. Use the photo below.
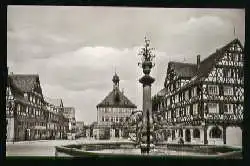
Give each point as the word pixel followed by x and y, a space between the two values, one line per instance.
pixel 132 150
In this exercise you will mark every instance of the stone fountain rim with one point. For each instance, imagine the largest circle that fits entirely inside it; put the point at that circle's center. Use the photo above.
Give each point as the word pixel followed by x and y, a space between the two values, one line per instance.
pixel 69 151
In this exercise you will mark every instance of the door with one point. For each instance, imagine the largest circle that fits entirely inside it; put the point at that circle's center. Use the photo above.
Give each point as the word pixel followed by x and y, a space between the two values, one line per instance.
pixel 188 135
pixel 116 133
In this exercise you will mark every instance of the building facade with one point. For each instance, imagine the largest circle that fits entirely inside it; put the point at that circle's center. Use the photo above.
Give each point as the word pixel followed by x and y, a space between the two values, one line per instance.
pixel 55 126
pixel 80 127
pixel 69 113
pixel 24 108
pixel 28 115
pixel 202 103
pixel 112 112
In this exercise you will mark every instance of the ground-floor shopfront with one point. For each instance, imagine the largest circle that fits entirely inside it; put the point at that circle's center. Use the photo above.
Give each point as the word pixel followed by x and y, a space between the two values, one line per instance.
pixel 210 134
pixel 107 132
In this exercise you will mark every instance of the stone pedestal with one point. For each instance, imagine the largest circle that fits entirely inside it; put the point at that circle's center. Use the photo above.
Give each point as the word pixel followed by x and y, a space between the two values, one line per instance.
pixel 147 130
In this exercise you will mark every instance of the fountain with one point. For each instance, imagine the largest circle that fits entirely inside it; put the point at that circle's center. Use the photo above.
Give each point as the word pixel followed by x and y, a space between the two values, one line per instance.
pixel 145 141
pixel 146 135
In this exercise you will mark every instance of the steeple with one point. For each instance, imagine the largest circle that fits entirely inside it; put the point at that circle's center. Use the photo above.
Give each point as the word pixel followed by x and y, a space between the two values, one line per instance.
pixel 115 81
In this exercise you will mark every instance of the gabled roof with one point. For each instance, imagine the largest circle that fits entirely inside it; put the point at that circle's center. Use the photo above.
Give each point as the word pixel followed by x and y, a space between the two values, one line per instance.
pixel 207 64
pixel 110 101
pixel 162 92
pixel 183 69
pixel 24 82
pixel 55 102
pixel 16 92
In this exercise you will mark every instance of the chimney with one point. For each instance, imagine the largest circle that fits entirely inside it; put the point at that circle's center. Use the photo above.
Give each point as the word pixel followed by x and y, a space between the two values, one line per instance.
pixel 198 61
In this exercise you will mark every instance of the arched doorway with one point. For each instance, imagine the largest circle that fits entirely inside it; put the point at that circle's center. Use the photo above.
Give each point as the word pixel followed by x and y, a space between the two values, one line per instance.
pixel 26 135
pixel 196 133
pixel 215 132
pixel 173 134
pixel 116 133
pixel 187 135
pixel 180 133
pixel 234 136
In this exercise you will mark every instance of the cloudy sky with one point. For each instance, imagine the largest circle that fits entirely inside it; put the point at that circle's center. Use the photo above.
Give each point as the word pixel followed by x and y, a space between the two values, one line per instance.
pixel 75 50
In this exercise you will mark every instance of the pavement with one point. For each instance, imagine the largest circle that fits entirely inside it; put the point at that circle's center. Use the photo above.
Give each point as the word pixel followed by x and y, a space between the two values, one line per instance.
pixel 46 147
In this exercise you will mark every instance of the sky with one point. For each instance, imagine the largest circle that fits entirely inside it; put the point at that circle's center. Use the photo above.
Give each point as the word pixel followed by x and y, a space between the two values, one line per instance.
pixel 76 50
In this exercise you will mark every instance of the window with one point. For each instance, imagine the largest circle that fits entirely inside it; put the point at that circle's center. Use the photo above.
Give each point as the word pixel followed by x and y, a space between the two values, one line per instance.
pixel 213 108
pixel 194 92
pixel 176 98
pixel 169 115
pixel 241 74
pixel 168 101
pixel 177 113
pixel 180 133
pixel 215 132
pixel 187 110
pixel 213 89
pixel 195 109
pixel 173 134
pixel 226 72
pixel 106 119
pixel 228 90
pixel 196 133
pixel 186 95
pixel 18 109
pixel 228 108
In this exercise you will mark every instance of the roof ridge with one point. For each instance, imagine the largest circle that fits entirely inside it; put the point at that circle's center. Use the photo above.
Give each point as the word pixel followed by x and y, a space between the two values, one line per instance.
pixel 188 63
pixel 221 49
pixel 125 101
pixel 24 75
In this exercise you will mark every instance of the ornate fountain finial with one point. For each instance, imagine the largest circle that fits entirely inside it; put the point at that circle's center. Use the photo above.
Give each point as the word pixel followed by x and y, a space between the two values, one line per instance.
pixel 147 57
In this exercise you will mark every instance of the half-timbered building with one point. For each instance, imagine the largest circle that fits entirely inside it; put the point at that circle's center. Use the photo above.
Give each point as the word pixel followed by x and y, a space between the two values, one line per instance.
pixel 55 127
pixel 24 113
pixel 112 112
pixel 203 102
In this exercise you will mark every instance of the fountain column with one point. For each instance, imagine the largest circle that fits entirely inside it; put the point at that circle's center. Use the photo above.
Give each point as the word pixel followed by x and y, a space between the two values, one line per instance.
pixel 146 134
